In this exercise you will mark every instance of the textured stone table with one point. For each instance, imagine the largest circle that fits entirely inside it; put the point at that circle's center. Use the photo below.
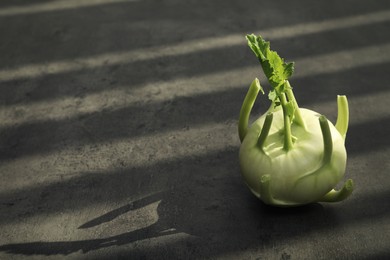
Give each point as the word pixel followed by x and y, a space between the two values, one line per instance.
pixel 118 128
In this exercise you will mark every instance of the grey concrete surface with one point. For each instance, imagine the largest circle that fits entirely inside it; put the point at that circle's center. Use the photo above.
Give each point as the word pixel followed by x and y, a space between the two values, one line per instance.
pixel 118 128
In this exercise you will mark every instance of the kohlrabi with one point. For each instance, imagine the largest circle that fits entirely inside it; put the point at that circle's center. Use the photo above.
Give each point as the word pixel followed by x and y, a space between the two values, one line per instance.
pixel 290 156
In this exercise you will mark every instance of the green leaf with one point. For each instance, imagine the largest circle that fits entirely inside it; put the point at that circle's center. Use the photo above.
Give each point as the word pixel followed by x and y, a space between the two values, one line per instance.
pixel 289 69
pixel 274 67
pixel 272 95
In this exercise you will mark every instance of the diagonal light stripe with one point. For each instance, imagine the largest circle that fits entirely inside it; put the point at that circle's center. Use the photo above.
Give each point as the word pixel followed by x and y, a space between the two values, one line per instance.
pixel 328 25
pixel 102 156
pixel 342 60
pixel 55 6
pixel 41 69
pixel 118 98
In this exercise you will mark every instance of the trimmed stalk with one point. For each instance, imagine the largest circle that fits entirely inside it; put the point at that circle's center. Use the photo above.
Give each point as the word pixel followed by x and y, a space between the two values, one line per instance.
pixel 339 195
pixel 327 138
pixel 297 113
pixel 265 130
pixel 265 191
pixel 247 107
pixel 288 144
pixel 328 147
pixel 342 115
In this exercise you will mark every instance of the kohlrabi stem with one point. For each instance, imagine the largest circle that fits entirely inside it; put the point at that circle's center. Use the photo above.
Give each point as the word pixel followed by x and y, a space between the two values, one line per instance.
pixel 265 130
pixel 265 191
pixel 327 138
pixel 339 195
pixel 288 144
pixel 297 113
pixel 342 115
pixel 247 107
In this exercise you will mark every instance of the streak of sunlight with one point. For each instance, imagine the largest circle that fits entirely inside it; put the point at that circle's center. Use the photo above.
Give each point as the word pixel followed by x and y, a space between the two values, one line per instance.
pixel 118 98
pixel 102 157
pixel 62 66
pixel 55 6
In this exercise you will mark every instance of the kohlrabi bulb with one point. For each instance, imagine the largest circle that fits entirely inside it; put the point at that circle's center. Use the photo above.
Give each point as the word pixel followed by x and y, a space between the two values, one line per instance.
pixel 290 156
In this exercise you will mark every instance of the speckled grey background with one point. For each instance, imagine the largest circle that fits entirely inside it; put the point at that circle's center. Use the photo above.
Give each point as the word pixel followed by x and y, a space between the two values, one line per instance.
pixel 118 128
